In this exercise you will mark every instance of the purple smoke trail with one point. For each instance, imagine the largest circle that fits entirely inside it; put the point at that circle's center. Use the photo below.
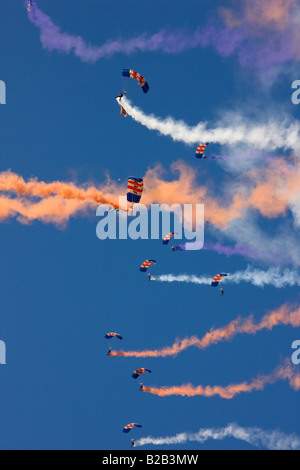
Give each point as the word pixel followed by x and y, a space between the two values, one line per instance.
pixel 218 157
pixel 247 251
pixel 53 39
pixel 258 53
pixel 267 51
pixel 261 52
pixel 258 49
pixel 242 250
pixel 192 246
pixel 249 155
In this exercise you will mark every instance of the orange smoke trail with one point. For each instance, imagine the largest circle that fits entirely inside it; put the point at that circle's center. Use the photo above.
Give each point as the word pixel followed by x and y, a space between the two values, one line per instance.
pixel 11 182
pixel 269 15
pixel 49 210
pixel 273 14
pixel 268 191
pixel 285 372
pixel 284 315
pixel 58 201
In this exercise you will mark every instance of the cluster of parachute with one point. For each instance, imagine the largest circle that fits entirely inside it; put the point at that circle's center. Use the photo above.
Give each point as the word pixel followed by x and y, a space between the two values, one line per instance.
pixel 145 87
pixel 148 262
pixel 136 373
pixel 135 188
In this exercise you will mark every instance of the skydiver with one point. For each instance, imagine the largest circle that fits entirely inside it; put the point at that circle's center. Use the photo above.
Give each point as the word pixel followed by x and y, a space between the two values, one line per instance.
pixel 173 248
pixel 117 211
pixel 149 276
pixel 132 443
pixel 109 351
pixel 141 387
pixel 222 291
pixel 121 94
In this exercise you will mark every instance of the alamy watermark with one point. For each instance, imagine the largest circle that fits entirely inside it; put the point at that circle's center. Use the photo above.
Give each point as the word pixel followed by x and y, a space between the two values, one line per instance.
pixel 296 94
pixel 2 353
pixel 140 223
pixel 296 354
pixel 2 92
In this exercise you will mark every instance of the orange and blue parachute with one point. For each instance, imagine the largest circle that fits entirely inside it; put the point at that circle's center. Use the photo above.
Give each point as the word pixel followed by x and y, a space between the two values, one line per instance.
pixel 139 372
pixel 168 237
pixel 123 111
pixel 134 189
pixel 146 264
pixel 216 280
pixel 113 335
pixel 200 151
pixel 129 426
pixel 132 74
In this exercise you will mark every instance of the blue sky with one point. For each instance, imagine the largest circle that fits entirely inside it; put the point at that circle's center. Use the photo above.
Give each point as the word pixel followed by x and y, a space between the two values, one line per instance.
pixel 62 289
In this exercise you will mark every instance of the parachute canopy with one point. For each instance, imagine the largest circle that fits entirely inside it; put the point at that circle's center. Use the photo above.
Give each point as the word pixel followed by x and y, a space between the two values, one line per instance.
pixel 134 189
pixel 139 372
pixel 216 280
pixel 132 74
pixel 123 111
pixel 168 237
pixel 129 426
pixel 113 335
pixel 146 264
pixel 200 151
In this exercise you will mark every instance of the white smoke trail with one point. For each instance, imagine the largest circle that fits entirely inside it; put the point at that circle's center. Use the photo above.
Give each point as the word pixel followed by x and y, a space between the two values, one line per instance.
pixel 270 135
pixel 271 440
pixel 182 278
pixel 274 277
